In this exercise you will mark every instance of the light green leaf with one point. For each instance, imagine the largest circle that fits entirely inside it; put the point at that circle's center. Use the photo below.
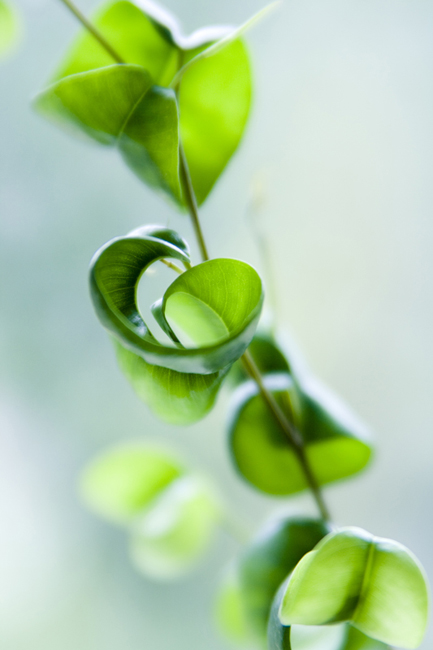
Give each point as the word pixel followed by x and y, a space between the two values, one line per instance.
pixel 229 612
pixel 174 532
pixel 375 584
pixel 230 288
pixel 336 445
pixel 267 561
pixel 175 397
pixel 10 28
pixel 119 106
pixel 214 94
pixel 120 483
pixel 341 636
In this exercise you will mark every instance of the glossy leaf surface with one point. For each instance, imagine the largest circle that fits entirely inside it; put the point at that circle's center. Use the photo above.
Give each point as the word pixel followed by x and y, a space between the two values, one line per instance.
pixel 268 560
pixel 9 28
pixel 122 482
pixel 214 93
pixel 118 105
pixel 230 289
pixel 375 584
pixel 173 533
pixel 336 446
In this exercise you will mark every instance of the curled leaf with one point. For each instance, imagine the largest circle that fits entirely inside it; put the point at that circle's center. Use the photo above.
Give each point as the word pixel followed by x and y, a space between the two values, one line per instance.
pixel 223 291
pixel 375 584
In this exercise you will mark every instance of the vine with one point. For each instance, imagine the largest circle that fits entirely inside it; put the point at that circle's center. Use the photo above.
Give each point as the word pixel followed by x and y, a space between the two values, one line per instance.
pixel 176 107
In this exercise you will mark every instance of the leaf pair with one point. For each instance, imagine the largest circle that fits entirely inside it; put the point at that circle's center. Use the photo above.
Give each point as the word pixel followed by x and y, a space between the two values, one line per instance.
pixel 210 312
pixel 336 444
pixel 133 107
pixel 170 514
pixel 374 584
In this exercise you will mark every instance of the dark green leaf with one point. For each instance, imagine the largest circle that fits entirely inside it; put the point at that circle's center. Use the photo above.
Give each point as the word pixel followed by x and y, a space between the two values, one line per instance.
pixel 267 561
pixel 218 296
pixel 120 483
pixel 174 532
pixel 336 446
pixel 375 584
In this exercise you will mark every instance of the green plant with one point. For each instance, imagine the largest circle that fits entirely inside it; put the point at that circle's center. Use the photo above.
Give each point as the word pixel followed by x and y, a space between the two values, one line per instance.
pixel 176 107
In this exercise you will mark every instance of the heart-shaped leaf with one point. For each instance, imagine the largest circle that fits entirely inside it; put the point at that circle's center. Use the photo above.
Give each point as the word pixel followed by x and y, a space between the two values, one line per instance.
pixel 223 291
pixel 214 93
pixel 267 561
pixel 118 105
pixel 173 533
pixel 335 444
pixel 375 584
pixel 9 28
pixel 120 483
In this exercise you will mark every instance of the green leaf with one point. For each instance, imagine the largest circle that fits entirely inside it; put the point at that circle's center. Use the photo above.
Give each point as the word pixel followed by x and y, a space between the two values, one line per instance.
pixel 335 443
pixel 119 106
pixel 340 636
pixel 214 93
pixel 120 483
pixel 267 561
pixel 10 28
pixel 375 584
pixel 229 288
pixel 229 611
pixel 175 397
pixel 174 532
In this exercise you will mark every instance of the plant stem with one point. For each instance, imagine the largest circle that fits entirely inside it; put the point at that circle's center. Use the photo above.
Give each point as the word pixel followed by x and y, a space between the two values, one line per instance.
pixel 92 29
pixel 172 266
pixel 249 364
pixel 191 201
pixel 289 430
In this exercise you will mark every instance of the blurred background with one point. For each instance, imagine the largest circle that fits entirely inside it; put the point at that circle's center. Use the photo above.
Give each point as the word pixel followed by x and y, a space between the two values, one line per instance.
pixel 341 142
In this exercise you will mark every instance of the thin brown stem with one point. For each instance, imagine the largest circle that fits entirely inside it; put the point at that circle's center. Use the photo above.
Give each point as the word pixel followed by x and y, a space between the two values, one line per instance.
pixel 92 29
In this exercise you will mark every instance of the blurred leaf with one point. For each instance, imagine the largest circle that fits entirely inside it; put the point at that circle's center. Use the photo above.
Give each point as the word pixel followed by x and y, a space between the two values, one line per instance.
pixel 123 481
pixel 9 28
pixel 175 397
pixel 118 106
pixel 229 609
pixel 335 443
pixel 174 532
pixel 374 583
pixel 267 561
pixel 230 290
pixel 214 93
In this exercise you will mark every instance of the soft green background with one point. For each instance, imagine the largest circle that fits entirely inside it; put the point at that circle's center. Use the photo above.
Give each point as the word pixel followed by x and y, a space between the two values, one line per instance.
pixel 341 137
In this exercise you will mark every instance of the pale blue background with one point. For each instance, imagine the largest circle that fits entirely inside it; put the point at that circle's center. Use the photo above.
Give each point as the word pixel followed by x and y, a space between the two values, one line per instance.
pixel 341 138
